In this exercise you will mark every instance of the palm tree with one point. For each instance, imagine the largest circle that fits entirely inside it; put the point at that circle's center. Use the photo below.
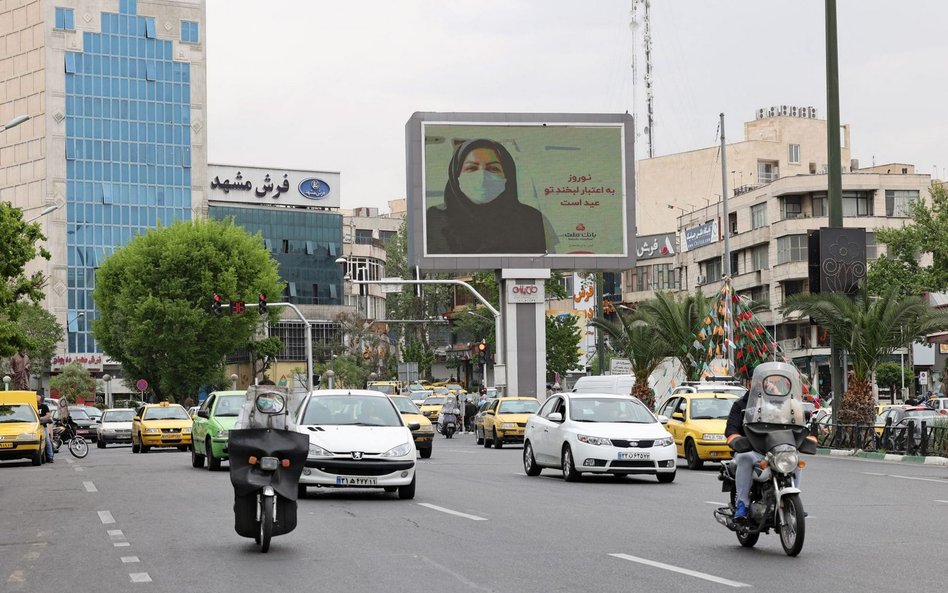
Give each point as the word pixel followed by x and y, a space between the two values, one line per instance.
pixel 677 322
pixel 642 344
pixel 870 330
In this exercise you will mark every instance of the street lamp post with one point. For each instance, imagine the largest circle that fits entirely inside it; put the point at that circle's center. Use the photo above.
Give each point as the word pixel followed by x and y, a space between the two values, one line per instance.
pixel 107 379
pixel 45 211
pixel 17 120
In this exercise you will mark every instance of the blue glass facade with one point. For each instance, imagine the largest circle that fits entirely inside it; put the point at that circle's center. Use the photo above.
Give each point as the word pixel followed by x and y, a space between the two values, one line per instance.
pixel 128 149
pixel 305 243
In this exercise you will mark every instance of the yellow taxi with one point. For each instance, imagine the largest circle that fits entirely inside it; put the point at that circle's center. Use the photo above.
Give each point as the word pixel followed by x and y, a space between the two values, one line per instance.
pixel 431 407
pixel 21 434
pixel 161 425
pixel 505 420
pixel 696 421
pixel 424 436
pixel 386 387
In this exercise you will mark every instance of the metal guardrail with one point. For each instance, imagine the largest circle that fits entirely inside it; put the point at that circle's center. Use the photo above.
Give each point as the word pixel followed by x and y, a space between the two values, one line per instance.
pixel 923 439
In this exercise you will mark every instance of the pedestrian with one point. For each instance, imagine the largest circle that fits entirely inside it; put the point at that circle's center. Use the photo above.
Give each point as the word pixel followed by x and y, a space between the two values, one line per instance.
pixel 42 410
pixel 469 411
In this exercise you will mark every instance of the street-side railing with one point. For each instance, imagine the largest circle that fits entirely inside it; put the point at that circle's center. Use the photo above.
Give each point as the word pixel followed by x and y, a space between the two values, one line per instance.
pixel 925 438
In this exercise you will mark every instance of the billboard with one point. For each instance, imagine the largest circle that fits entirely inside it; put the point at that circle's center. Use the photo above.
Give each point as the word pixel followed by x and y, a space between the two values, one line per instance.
pixel 492 191
pixel 272 186
pixel 654 246
pixel 701 235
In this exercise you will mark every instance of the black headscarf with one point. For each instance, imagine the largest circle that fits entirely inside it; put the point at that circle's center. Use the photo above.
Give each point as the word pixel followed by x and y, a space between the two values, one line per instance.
pixel 503 225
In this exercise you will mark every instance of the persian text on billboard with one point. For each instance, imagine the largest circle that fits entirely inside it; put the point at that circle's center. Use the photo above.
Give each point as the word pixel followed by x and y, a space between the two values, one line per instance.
pixel 701 235
pixel 652 246
pixel 524 189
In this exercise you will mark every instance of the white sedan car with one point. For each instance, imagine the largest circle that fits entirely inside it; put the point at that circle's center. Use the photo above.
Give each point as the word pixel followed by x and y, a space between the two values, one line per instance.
pixel 598 433
pixel 116 427
pixel 357 439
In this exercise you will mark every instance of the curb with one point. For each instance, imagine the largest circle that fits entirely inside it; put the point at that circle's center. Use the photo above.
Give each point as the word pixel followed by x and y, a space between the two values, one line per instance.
pixel 930 460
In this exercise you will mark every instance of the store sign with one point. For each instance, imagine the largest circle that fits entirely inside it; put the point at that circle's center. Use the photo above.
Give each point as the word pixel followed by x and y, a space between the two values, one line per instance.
pixel 531 292
pixel 653 246
pixel 286 187
pixel 91 362
pixel 701 235
pixel 584 294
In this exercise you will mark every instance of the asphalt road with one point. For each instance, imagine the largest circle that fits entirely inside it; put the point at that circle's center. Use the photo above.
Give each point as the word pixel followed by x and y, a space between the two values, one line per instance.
pixel 122 522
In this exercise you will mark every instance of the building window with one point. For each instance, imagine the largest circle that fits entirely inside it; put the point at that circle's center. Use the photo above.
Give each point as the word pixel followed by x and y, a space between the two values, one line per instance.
pixel 898 202
pixel 735 261
pixel 286 246
pixel 791 248
pixel 759 216
pixel 792 207
pixel 873 249
pixel 767 171
pixel 363 237
pixel 386 235
pixel 665 277
pixel 857 203
pixel 760 258
pixel 819 205
pixel 794 156
pixel 642 278
pixel 189 32
pixel 711 270
pixel 65 19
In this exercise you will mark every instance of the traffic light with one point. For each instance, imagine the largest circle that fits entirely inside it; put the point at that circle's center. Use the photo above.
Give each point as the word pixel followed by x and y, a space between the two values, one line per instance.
pixel 262 306
pixel 237 307
pixel 482 351
pixel 216 304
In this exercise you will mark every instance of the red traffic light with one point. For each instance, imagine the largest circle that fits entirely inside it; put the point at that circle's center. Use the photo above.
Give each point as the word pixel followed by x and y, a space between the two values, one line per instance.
pixel 237 306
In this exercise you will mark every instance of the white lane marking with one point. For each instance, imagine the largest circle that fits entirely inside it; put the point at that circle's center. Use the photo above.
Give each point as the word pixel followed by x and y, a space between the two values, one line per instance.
pixel 79 468
pixel 944 501
pixel 685 571
pixel 939 481
pixel 139 577
pixel 90 487
pixel 130 559
pixel 106 517
pixel 17 576
pixel 121 545
pixel 435 507
pixel 720 504
pixel 31 556
pixel 115 533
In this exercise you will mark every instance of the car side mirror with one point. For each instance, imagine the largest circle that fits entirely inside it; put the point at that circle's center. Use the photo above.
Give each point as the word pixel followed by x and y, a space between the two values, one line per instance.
pixel 555 417
pixel 678 416
pixel 137 419
pixel 413 426
pixel 203 414
pixel 663 419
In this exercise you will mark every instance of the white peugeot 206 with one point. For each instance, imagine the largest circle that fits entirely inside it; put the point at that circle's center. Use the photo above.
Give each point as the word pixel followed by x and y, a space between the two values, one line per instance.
pixel 598 433
pixel 357 439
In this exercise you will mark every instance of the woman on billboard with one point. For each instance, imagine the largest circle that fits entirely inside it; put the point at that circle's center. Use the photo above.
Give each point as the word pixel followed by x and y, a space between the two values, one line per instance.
pixel 481 211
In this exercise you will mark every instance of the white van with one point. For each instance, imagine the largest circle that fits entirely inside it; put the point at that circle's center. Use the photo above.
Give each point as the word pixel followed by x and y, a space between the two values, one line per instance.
pixel 614 384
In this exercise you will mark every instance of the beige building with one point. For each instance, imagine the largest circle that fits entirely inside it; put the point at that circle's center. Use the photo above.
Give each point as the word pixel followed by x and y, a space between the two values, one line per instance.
pixel 364 233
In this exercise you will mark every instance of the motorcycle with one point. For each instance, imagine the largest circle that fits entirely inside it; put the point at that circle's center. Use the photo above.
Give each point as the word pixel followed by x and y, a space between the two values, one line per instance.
pixel 65 432
pixel 774 428
pixel 265 468
pixel 449 417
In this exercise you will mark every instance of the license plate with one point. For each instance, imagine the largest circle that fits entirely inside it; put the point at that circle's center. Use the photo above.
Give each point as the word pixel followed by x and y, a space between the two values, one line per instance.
pixel 355 481
pixel 635 455
pixel 6 445
pixel 171 440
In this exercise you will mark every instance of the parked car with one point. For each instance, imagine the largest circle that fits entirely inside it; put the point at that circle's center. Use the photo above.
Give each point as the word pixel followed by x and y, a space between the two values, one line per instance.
pixel 939 404
pixel 598 433
pixel 482 408
pixel 357 439
pixel 696 422
pixel 93 412
pixel 424 435
pixel 161 425
pixel 504 420
pixel 211 425
pixel 21 434
pixel 116 427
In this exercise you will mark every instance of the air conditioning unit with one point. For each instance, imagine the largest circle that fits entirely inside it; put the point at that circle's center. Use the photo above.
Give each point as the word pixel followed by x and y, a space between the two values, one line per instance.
pixel 701 280
pixel 772 112
pixel 793 111
pixel 761 113
pixel 811 112
pixel 784 110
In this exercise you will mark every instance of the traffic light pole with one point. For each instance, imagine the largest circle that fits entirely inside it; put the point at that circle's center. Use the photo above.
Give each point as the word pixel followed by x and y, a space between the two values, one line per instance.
pixel 309 336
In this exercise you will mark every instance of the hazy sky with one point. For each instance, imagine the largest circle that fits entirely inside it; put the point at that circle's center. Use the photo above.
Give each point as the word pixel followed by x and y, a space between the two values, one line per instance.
pixel 328 85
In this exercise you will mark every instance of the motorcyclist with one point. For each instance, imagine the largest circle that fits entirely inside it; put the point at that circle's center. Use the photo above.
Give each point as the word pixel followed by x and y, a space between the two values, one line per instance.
pixel 745 461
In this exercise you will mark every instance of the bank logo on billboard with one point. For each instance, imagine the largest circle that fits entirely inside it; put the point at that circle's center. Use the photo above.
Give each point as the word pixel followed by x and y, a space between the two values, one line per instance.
pixel 314 189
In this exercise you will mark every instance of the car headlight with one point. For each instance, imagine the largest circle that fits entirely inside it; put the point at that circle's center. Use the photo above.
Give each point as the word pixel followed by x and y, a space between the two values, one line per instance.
pixel 663 442
pixel 426 428
pixel 508 425
pixel 317 451
pixel 185 431
pixel 712 436
pixel 582 438
pixel 25 436
pixel 152 431
pixel 108 430
pixel 785 461
pixel 221 434
pixel 399 451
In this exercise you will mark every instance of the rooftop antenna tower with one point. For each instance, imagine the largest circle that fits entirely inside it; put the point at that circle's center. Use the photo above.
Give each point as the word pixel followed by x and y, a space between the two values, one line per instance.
pixel 642 44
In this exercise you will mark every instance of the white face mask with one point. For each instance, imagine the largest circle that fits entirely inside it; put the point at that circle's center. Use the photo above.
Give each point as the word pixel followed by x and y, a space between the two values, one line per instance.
pixel 482 187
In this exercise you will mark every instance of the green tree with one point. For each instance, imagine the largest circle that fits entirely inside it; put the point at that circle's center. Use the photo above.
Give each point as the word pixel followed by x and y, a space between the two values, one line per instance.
pixel 869 329
pixel 926 233
pixel 263 354
pixel 677 321
pixel 42 332
pixel 562 344
pixel 75 381
pixel 18 241
pixel 889 376
pixel 154 298
pixel 642 343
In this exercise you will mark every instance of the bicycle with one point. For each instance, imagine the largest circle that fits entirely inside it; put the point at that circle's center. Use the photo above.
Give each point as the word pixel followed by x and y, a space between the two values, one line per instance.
pixel 66 433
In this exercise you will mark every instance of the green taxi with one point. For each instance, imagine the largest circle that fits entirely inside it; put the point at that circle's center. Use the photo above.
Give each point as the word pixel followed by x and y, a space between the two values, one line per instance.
pixel 212 423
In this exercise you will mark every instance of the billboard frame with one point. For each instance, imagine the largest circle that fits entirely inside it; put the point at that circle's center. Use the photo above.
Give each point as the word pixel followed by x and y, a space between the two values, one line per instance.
pixel 414 152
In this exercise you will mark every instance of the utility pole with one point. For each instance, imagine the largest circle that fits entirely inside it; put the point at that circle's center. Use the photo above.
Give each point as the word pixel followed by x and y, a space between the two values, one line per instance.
pixel 835 179
pixel 600 338
pixel 728 305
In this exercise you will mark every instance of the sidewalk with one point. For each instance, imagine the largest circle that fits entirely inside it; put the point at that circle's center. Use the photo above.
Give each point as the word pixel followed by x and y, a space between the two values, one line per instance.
pixel 930 460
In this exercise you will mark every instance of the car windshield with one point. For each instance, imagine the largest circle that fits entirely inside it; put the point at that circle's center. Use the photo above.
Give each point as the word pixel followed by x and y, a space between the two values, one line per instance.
pixel 731 389
pixel 433 401
pixel 228 405
pixel 385 388
pixel 118 416
pixel 350 410
pixel 93 412
pixel 595 409
pixel 79 414
pixel 166 413
pixel 519 406
pixel 405 405
pixel 17 413
pixel 921 414
pixel 710 408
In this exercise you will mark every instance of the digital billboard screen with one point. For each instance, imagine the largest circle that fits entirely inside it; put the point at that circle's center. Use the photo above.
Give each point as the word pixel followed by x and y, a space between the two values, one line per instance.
pixel 517 191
